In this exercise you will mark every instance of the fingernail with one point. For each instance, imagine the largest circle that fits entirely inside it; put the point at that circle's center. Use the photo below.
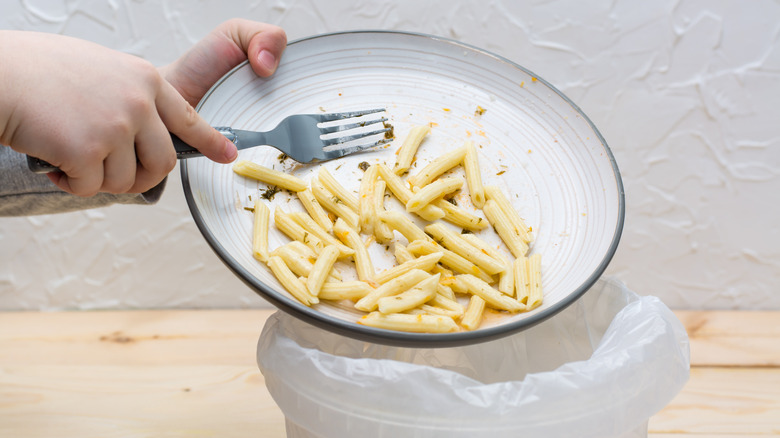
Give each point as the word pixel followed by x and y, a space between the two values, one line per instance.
pixel 267 59
pixel 231 153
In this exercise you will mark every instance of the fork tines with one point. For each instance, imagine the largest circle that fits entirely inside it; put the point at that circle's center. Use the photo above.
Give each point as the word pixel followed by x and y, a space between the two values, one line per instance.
pixel 344 133
pixel 329 117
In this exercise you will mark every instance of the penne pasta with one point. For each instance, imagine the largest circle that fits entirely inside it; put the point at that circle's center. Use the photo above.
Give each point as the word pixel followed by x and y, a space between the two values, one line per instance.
pixel 290 282
pixel 522 290
pixel 493 193
pixel 472 317
pixel 437 167
pixel 448 259
pixel 367 213
pixel 321 269
pixel 350 237
pixel 409 147
pixel 437 189
pixel 449 304
pixel 473 175
pixel 382 231
pixel 332 203
pixel 402 255
pixel 401 223
pixel 418 295
pixel 347 290
pixel 403 193
pixel 506 229
pixel 261 219
pixel 428 309
pixel 307 223
pixel 299 260
pixel 460 217
pixel 286 225
pixel 424 263
pixel 392 287
pixel 314 209
pixel 492 297
pixel 452 241
pixel 410 323
pixel 269 176
pixel 506 282
pixel 433 269
pixel 337 189
pixel 534 264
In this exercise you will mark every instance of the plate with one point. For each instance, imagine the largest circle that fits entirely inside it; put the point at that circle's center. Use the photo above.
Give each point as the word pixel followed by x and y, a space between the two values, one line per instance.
pixel 533 142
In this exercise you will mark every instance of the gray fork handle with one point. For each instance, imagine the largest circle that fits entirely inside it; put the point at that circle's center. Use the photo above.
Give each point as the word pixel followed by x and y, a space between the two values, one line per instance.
pixel 183 150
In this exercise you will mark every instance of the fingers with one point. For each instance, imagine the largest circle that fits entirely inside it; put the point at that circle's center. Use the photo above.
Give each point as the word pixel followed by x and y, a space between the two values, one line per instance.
pixel 119 171
pixel 154 154
pixel 182 120
pixel 83 177
pixel 262 43
pixel 229 44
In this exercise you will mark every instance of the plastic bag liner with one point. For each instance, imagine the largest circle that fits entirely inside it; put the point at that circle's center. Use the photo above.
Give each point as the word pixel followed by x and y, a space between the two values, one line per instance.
pixel 600 368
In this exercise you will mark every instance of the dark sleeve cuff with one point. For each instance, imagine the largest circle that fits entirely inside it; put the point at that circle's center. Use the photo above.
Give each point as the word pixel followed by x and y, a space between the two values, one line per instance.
pixel 23 193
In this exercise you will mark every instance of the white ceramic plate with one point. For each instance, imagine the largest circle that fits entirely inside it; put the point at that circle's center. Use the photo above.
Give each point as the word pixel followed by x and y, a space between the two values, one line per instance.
pixel 533 142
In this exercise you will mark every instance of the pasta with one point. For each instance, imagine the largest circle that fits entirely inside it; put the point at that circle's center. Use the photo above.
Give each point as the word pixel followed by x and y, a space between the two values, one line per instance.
pixel 269 176
pixel 344 290
pixel 472 317
pixel 321 269
pixel 449 259
pixel 262 215
pixel 392 287
pixel 290 282
pixel 363 264
pixel 314 209
pixel 437 167
pixel 443 280
pixel 332 203
pixel 299 258
pixel 399 222
pixel 418 295
pixel 398 188
pixel 505 228
pixel 492 192
pixel 490 295
pixel 337 189
pixel 424 263
pixel 382 231
pixel 410 323
pixel 473 175
pixel 294 231
pixel 308 224
pixel 366 205
pixel 452 241
pixel 431 192
pixel 409 147
pixel 460 217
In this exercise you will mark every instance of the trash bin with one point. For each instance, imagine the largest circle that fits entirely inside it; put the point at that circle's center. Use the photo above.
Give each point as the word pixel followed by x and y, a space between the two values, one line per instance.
pixel 600 368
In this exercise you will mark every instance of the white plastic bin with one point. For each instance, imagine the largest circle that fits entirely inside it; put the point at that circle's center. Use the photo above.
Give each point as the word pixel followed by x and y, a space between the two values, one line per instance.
pixel 601 368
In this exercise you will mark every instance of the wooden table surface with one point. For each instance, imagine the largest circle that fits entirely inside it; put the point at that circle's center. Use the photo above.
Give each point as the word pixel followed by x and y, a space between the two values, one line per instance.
pixel 193 374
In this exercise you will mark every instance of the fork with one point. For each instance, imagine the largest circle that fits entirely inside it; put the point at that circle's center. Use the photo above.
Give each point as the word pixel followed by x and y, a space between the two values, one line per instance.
pixel 299 136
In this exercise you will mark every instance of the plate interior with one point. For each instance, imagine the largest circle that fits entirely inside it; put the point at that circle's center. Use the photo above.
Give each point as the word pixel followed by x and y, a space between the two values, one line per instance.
pixel 532 142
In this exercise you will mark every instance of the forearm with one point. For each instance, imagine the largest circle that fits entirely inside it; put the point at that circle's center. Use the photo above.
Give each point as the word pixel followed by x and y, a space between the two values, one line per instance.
pixel 8 88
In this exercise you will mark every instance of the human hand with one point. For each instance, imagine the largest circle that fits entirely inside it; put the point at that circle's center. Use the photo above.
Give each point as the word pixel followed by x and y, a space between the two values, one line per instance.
pixel 228 45
pixel 101 116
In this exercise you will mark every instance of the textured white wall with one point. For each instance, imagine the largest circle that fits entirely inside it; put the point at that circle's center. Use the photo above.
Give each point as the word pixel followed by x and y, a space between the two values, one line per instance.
pixel 685 92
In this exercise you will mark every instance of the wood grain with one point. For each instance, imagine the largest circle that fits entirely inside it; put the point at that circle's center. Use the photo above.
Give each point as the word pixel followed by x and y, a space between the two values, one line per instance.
pixel 193 373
